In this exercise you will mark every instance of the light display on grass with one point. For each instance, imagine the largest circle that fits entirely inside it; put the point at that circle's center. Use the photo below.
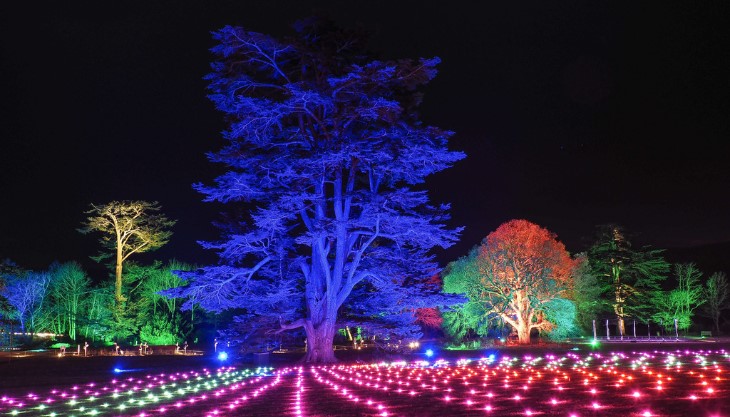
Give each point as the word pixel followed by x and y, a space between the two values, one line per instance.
pixel 649 383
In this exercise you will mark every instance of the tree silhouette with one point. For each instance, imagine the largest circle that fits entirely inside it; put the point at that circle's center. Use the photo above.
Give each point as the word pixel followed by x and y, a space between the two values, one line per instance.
pixel 716 297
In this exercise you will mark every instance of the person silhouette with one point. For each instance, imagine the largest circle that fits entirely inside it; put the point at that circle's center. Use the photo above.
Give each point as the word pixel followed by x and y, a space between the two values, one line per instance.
pixel 86 347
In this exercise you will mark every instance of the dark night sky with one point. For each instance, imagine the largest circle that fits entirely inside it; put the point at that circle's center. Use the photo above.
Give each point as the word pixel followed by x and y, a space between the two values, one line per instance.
pixel 572 114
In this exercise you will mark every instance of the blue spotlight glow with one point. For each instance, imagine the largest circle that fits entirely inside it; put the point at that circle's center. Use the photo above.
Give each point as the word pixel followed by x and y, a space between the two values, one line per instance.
pixel 429 353
pixel 222 356
pixel 117 370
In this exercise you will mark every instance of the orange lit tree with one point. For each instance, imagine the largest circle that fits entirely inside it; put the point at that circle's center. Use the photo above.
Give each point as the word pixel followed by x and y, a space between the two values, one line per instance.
pixel 514 274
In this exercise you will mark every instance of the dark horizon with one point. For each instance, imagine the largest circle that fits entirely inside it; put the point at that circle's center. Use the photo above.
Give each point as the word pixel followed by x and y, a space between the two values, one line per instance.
pixel 571 116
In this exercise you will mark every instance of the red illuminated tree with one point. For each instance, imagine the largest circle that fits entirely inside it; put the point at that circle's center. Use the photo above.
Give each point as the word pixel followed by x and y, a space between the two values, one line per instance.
pixel 514 273
pixel 430 317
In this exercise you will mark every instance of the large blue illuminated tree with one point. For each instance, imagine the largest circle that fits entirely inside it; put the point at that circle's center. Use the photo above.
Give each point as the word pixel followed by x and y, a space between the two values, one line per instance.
pixel 326 152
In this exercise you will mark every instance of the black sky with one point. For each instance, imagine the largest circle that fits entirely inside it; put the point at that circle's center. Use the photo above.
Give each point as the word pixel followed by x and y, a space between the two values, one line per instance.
pixel 572 114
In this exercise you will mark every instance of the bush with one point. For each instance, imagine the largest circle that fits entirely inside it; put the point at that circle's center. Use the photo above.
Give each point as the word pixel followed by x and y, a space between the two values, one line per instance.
pixel 158 332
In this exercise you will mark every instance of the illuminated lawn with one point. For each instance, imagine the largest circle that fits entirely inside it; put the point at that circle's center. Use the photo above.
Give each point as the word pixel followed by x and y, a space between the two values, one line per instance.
pixel 621 383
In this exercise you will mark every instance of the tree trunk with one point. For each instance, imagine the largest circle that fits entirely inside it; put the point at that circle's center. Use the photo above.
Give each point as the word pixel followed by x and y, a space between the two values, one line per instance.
pixel 523 333
pixel 620 298
pixel 74 317
pixel 618 308
pixel 320 343
pixel 118 282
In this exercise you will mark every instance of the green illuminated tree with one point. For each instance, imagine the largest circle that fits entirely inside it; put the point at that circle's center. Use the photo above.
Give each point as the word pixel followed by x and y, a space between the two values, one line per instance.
pixel 127 227
pixel 628 276
pixel 586 295
pixel 68 291
pixel 563 315
pixel 688 292
pixel 680 302
pixel 716 297
pixel 474 318
pixel 159 315
pixel 98 321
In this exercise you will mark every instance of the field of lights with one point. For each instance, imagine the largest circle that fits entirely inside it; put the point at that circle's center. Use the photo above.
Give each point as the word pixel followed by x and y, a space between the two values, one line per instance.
pixel 615 383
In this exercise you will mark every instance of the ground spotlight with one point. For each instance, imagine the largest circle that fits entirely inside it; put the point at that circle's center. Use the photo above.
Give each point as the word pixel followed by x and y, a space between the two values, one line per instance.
pixel 222 356
pixel 429 352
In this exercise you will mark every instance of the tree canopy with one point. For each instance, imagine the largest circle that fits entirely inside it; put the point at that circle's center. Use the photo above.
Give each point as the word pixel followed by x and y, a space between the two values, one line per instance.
pixel 325 147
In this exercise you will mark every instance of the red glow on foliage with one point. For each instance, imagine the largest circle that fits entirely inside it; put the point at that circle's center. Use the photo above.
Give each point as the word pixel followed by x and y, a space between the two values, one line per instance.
pixel 429 317
pixel 519 250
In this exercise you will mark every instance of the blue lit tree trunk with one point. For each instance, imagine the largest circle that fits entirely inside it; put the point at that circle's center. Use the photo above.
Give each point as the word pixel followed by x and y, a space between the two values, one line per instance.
pixel 325 147
pixel 320 338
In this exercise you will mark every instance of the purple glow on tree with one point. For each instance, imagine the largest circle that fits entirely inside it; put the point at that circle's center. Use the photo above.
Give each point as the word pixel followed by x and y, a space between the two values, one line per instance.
pixel 326 148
